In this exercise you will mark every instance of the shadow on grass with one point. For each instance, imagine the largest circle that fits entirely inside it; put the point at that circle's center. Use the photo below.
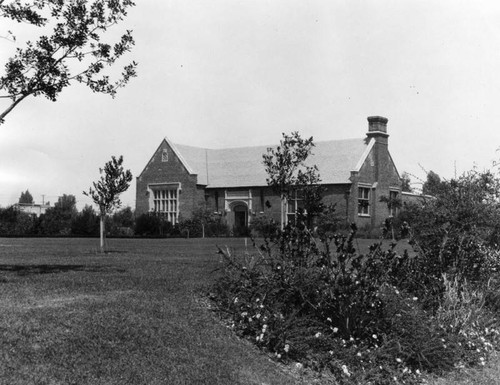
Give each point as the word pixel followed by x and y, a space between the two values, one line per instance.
pixel 54 269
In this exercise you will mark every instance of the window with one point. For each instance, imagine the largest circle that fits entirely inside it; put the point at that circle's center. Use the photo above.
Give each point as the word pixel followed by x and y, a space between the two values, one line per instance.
pixel 164 155
pixel 363 201
pixel 393 203
pixel 294 204
pixel 165 203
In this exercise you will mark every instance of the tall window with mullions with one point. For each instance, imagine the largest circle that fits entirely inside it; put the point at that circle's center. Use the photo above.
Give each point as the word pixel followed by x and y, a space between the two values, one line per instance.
pixel 165 202
pixel 363 201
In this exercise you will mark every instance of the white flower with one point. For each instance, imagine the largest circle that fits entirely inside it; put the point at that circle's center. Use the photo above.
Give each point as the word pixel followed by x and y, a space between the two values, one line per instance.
pixel 317 335
pixel 359 354
pixel 257 316
pixel 415 298
pixel 374 336
pixel 298 365
pixel 286 348
pixel 236 300
pixel 399 360
pixel 346 371
pixel 335 330
pixel 278 355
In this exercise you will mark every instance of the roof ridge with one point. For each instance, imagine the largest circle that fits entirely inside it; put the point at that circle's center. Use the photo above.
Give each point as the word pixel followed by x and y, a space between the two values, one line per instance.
pixel 262 145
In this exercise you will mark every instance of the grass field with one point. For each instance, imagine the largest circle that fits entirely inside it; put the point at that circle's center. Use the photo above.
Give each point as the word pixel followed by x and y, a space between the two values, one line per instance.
pixel 69 315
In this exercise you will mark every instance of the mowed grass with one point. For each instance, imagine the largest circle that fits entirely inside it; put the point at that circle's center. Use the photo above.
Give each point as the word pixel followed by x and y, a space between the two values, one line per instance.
pixel 135 315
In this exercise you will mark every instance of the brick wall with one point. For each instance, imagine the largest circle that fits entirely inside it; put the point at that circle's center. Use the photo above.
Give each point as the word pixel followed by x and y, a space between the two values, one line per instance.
pixel 379 172
pixel 171 171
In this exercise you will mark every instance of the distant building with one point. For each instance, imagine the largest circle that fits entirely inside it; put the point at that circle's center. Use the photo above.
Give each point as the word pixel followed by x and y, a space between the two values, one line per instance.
pixel 31 208
pixel 178 179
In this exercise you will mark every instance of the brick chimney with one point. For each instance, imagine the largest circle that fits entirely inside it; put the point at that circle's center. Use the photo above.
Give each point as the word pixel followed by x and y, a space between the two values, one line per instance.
pixel 377 128
pixel 377 124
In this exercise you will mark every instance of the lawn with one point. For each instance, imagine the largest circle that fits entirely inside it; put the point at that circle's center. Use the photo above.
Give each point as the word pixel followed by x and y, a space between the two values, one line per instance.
pixel 69 315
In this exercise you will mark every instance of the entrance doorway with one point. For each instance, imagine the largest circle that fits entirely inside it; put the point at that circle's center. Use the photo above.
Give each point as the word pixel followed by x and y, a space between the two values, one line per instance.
pixel 240 219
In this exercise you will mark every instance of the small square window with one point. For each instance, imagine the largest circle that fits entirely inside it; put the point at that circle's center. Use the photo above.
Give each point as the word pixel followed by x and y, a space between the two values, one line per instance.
pixel 164 155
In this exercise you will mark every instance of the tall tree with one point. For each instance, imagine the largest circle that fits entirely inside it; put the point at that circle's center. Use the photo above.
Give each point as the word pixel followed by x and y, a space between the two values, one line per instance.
pixel 57 220
pixel 106 191
pixel 287 172
pixel 406 182
pixel 26 197
pixel 432 185
pixel 68 48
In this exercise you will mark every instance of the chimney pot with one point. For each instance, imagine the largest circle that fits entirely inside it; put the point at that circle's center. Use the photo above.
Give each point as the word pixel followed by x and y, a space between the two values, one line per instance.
pixel 377 124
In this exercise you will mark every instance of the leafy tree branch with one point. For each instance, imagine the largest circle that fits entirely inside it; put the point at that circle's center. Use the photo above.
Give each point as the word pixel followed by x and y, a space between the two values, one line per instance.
pixel 70 38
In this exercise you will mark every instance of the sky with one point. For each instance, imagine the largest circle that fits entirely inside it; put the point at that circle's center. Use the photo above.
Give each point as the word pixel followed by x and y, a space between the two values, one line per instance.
pixel 238 73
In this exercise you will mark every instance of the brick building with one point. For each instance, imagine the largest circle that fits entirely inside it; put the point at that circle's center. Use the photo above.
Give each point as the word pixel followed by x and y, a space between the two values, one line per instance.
pixel 231 182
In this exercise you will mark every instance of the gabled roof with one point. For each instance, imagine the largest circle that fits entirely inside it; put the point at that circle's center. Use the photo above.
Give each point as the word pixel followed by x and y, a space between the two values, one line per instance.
pixel 243 167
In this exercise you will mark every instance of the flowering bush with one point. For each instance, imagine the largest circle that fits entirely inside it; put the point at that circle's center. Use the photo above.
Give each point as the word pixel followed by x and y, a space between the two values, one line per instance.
pixel 362 318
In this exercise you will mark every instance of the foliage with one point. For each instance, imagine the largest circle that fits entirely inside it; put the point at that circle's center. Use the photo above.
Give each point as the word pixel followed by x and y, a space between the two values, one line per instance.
pixel 382 317
pixel 455 232
pixel 15 222
pixel 114 181
pixel 406 182
pixel 106 191
pixel 262 226
pixel 151 225
pixel 392 203
pixel 122 222
pixel 203 222
pixel 58 220
pixel 124 217
pixel 26 197
pixel 288 174
pixel 69 48
pixel 432 184
pixel 329 308
pixel 328 222
pixel 86 222
pixel 285 164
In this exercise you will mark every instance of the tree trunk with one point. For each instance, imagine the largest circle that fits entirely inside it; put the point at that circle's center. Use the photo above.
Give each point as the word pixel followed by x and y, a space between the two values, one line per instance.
pixel 102 218
pixel 283 212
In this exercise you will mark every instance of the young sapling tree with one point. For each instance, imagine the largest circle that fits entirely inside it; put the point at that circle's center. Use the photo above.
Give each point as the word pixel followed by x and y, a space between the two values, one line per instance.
pixel 106 191
pixel 287 172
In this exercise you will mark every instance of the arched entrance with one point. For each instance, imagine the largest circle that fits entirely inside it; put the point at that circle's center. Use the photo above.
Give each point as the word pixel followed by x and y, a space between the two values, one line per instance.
pixel 240 212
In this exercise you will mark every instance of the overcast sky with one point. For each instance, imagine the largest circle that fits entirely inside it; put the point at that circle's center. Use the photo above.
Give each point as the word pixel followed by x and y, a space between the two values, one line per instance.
pixel 239 73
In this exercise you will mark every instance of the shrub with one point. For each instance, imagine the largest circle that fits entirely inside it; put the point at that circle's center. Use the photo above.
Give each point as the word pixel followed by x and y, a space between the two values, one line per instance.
pixel 380 317
pixel 203 223
pixel 262 226
pixel 154 226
